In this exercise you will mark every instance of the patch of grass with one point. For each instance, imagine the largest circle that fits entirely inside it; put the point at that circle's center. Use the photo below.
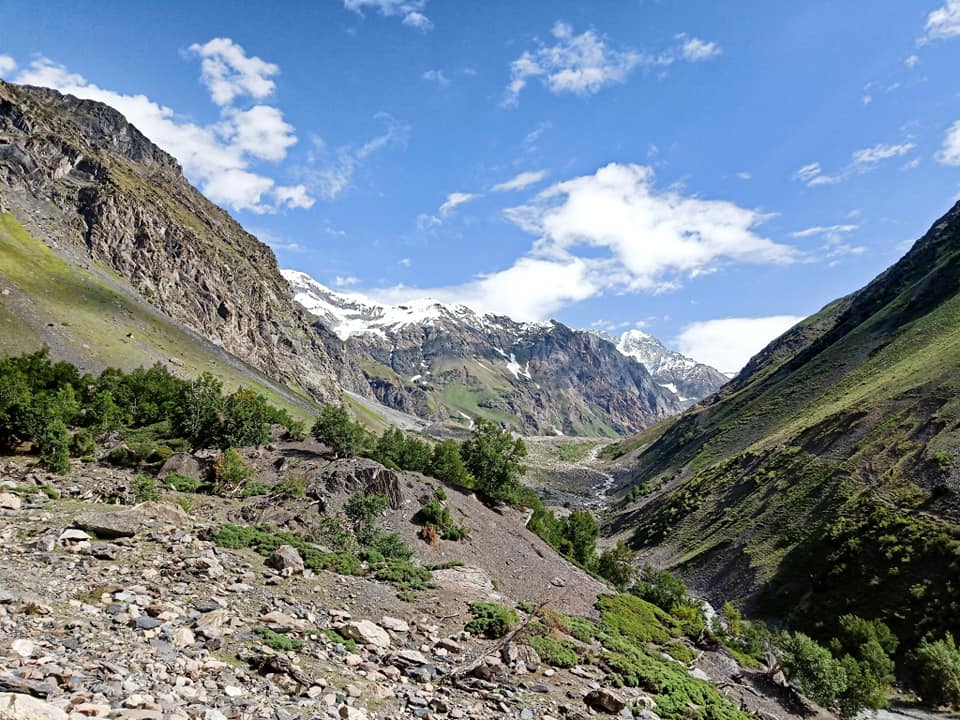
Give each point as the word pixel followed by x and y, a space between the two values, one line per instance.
pixel 254 489
pixel 348 643
pixel 682 653
pixel 277 641
pixel 183 483
pixel 635 619
pixel 555 652
pixel 145 489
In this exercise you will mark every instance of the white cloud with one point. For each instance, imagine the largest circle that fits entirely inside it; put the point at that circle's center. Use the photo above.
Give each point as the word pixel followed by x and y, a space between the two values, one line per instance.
pixel 834 243
pixel 426 221
pixel 331 174
pixel 405 262
pixel 861 161
pixel 834 230
pixel 653 239
pixel 610 231
pixel 949 153
pixel 454 200
pixel 696 50
pixel 437 76
pixel 345 280
pixel 7 65
pixel 744 175
pixel 580 64
pixel 911 62
pixel 220 158
pixel 728 343
pixel 229 73
pixel 866 99
pixel 521 181
pixel 944 22
pixel 407 10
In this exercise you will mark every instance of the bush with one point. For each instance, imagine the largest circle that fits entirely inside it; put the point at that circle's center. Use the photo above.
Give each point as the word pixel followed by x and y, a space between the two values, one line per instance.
pixel 491 620
pixel 937 671
pixel 404 575
pixel 446 464
pixel 83 443
pixel 580 531
pixel 349 644
pixel 254 489
pixel 555 652
pixel 660 588
pixel 616 566
pixel 145 489
pixel 293 486
pixel 183 483
pixel 812 668
pixel 495 460
pixel 230 472
pixel 336 430
pixel 362 509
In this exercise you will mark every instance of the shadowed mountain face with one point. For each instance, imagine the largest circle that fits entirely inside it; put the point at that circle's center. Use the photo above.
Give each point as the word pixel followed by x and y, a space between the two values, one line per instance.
pixel 824 478
pixel 76 176
pixel 447 362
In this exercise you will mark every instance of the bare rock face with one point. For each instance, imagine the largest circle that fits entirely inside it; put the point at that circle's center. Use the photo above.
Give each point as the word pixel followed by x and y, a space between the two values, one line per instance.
pixel 82 178
pixel 14 706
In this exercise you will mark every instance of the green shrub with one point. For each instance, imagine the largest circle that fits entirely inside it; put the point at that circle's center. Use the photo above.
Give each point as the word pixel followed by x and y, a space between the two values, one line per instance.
pixel 635 619
pixel 83 443
pixel 404 575
pixel 183 483
pixel 254 489
pixel 293 486
pixel 230 472
pixel 555 652
pixel 277 641
pixel 491 620
pixel 439 493
pixel 812 667
pixel 455 533
pixel 616 565
pixel 123 457
pixel 145 489
pixel 495 459
pixel 349 644
pixel 936 669
pixel 682 653
pixel 446 464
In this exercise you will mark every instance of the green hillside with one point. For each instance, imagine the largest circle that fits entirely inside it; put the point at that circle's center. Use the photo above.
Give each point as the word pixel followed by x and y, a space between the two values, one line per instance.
pixel 88 317
pixel 824 479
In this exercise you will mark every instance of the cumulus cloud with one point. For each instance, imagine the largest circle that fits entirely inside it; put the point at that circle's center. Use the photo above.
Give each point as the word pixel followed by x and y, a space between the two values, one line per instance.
pixel 7 65
pixel 520 181
pixel 697 50
pixel 949 153
pixel 229 73
pixel 221 158
pixel 911 62
pixel 584 64
pixel 580 64
pixel 409 11
pixel 944 22
pixel 454 200
pixel 612 231
pixel 728 343
pixel 861 161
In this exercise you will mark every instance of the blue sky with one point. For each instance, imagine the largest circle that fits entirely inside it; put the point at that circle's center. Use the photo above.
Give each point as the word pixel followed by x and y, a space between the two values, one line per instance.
pixel 709 171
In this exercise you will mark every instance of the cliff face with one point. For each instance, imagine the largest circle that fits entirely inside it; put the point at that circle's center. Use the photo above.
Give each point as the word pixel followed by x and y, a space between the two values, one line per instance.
pixel 78 176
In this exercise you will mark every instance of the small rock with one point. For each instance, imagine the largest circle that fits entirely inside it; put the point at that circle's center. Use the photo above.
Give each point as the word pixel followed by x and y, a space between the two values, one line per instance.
pixel 23 648
pixel 9 501
pixel 145 622
pixel 365 632
pixel 395 624
pixel 351 713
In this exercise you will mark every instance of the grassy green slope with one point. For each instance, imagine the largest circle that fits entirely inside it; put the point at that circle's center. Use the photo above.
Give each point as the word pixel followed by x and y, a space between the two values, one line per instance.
pixel 86 317
pixel 825 478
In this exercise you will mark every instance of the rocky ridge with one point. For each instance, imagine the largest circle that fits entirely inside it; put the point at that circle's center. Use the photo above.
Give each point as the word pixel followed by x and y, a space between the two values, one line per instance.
pixel 77 175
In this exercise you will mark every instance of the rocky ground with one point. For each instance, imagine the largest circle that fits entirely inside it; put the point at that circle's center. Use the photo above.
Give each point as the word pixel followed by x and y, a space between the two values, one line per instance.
pixel 129 612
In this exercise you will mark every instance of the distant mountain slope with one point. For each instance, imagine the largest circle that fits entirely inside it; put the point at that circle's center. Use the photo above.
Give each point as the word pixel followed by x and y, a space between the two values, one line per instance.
pixel 78 177
pixel 687 378
pixel 824 479
pixel 448 362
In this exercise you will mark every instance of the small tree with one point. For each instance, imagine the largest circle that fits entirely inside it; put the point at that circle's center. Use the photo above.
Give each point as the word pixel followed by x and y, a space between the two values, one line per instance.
pixel 937 671
pixel 812 668
pixel 362 510
pixel 336 430
pixel 496 461
pixel 581 531
pixel 231 472
pixel 616 564
pixel 447 465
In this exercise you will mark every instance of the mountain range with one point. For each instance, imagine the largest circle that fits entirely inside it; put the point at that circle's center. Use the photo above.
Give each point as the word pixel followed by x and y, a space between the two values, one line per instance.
pixel 146 269
pixel 448 362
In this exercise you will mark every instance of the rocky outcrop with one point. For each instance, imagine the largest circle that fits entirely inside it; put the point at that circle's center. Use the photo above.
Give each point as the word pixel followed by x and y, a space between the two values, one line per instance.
pixel 88 183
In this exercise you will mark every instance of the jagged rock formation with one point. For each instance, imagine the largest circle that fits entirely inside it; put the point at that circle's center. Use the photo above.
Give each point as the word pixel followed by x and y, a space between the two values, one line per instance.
pixel 448 362
pixel 78 176
pixel 688 379
pixel 829 465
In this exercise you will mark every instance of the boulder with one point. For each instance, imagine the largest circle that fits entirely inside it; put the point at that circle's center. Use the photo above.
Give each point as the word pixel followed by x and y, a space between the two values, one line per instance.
pixel 127 523
pixel 9 501
pixel 286 559
pixel 182 464
pixel 514 654
pixel 365 633
pixel 14 706
pixel 602 700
